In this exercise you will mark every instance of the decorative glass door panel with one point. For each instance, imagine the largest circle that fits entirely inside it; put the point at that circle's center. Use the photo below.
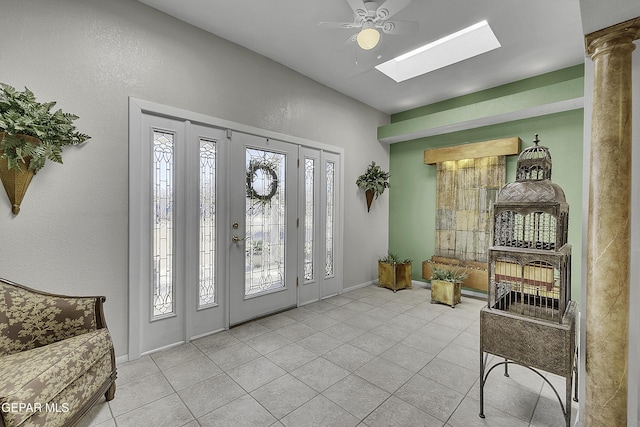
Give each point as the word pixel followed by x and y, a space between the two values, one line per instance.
pixel 330 217
pixel 163 224
pixel 265 221
pixel 309 218
pixel 263 244
pixel 207 247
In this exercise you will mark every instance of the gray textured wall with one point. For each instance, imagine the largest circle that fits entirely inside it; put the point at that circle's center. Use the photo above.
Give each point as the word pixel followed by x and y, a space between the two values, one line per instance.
pixel 90 56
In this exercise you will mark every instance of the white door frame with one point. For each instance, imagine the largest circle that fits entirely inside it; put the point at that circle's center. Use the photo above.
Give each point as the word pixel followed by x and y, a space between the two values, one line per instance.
pixel 137 108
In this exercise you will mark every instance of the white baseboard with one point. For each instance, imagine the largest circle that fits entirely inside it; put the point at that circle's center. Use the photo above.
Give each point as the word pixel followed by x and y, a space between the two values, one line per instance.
pixel 361 285
pixel 122 359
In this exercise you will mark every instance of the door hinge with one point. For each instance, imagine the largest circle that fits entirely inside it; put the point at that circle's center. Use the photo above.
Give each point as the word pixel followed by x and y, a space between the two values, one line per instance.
pixel 298 162
pixel 297 222
pixel 296 282
pixel 229 133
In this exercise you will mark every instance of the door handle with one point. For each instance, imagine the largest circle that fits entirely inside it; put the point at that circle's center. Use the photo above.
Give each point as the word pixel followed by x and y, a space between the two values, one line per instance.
pixel 236 239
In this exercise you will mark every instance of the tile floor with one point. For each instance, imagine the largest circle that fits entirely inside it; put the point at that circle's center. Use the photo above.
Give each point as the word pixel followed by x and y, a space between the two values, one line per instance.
pixel 369 357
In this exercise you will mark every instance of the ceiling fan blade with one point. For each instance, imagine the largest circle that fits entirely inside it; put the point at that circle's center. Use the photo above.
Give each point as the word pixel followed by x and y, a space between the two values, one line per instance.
pixel 358 7
pixel 351 39
pixel 399 27
pixel 333 25
pixel 364 61
pixel 390 8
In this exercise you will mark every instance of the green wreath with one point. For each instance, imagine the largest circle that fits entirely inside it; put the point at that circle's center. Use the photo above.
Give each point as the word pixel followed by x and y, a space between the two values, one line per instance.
pixel 251 176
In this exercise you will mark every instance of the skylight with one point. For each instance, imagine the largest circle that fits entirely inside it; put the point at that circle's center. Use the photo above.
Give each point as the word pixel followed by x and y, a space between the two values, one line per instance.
pixel 464 44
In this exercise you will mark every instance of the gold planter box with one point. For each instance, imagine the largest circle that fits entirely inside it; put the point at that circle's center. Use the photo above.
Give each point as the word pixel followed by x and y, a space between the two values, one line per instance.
pixel 394 276
pixel 445 292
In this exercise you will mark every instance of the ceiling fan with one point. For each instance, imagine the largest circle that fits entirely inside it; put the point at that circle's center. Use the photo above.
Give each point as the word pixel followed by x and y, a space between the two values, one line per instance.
pixel 371 18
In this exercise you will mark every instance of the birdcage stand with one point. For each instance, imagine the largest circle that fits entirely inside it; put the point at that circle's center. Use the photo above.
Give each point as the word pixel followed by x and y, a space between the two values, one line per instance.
pixel 537 345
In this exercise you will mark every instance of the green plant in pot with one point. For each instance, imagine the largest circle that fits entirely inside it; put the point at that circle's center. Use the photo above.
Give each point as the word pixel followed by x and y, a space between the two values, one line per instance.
pixel 373 181
pixel 30 133
pixel 446 284
pixel 394 272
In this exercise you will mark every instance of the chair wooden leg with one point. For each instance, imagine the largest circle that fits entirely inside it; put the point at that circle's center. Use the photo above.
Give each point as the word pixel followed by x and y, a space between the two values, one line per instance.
pixel 111 392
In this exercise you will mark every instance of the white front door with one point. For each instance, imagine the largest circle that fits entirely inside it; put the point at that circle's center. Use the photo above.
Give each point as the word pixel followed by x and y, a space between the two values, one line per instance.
pixel 224 226
pixel 263 227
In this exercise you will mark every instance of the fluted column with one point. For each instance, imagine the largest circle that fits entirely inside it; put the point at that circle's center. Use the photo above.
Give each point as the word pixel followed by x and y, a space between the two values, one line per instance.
pixel 608 244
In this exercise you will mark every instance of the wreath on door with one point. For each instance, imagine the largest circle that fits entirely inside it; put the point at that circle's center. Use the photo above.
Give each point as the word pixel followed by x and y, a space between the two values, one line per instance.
pixel 256 166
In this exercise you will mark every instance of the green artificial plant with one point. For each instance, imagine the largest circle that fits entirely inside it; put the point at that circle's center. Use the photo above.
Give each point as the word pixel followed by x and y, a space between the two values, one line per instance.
pixel 22 114
pixel 374 179
pixel 393 258
pixel 448 275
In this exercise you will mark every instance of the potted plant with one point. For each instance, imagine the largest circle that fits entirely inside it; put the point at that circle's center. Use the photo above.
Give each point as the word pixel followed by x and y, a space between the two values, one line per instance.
pixel 445 285
pixel 393 272
pixel 373 181
pixel 30 133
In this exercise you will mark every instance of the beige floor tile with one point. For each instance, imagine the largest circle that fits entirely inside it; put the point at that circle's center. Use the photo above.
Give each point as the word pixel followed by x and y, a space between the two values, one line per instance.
pixel 320 411
pixel 283 395
pixel 450 374
pixel 138 393
pixel 136 369
pixel 166 412
pixel 385 374
pixel 320 374
pixel 244 411
pixel 407 357
pixel 176 355
pixel 348 357
pixel 191 372
pixel 268 342
pixel 256 373
pixel 248 330
pixel 430 396
pixel 291 356
pixel 230 357
pixel 216 342
pixel 467 415
pixel 210 394
pixel 319 343
pixel 395 412
pixel 369 357
pixel 356 395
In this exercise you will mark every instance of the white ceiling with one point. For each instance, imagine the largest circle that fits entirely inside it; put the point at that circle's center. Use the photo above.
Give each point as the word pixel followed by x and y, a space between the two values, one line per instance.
pixel 537 36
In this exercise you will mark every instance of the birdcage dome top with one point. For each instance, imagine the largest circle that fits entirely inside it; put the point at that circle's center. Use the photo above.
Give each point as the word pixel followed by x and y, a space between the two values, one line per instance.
pixel 534 163
pixel 542 191
pixel 537 152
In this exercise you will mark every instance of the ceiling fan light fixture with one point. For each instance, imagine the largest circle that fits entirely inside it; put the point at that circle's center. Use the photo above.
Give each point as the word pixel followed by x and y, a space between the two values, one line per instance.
pixel 368 38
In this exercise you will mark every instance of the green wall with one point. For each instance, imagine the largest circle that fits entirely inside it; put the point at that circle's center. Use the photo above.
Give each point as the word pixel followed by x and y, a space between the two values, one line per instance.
pixel 412 193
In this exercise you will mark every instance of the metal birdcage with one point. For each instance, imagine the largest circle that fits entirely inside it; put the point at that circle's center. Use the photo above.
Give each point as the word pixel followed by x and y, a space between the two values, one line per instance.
pixel 529 318
pixel 530 260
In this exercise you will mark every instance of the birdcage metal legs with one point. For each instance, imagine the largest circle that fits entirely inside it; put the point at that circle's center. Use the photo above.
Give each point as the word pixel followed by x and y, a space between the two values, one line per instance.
pixel 571 378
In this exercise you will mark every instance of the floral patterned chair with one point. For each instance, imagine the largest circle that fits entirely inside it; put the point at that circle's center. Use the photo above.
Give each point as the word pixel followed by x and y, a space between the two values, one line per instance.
pixel 56 357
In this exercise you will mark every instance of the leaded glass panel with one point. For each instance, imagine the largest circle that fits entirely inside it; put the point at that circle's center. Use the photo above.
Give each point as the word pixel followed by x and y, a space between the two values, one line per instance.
pixel 330 220
pixel 309 170
pixel 163 224
pixel 207 261
pixel 265 221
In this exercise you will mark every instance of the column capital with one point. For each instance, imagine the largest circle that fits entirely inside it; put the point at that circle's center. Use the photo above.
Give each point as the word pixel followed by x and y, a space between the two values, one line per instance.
pixel 622 33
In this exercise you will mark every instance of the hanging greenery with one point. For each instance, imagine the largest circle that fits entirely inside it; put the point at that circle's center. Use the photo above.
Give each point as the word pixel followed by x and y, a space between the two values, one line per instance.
pixel 22 114
pixel 374 179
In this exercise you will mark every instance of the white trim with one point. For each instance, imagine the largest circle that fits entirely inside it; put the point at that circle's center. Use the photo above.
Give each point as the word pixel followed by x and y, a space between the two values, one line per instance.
pixel 140 106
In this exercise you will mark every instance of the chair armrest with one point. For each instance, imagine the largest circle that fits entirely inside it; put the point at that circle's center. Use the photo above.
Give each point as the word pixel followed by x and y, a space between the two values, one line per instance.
pixel 31 318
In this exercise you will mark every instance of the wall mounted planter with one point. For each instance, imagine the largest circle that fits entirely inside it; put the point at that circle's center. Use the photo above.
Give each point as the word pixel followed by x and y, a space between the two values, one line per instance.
pixel 16 181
